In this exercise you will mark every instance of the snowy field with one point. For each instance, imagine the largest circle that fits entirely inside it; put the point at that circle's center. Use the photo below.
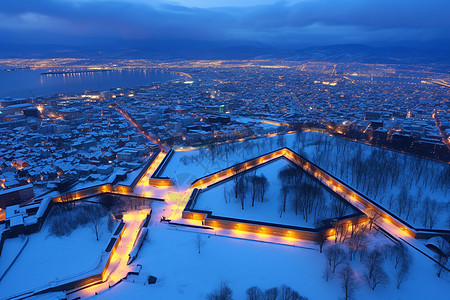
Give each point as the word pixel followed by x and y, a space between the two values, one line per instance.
pixel 221 200
pixel 48 258
pixel 415 189
pixel 171 255
pixel 185 167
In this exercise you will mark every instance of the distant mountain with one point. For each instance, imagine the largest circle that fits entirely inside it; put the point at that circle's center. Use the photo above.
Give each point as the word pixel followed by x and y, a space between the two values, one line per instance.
pixel 365 54
pixel 180 50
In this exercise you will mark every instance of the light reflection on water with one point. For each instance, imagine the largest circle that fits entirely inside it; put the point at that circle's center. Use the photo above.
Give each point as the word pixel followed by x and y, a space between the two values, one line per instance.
pixel 29 83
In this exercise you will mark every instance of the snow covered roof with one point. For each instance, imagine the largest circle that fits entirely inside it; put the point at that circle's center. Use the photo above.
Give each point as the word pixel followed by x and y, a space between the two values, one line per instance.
pixel 13 211
pixel 16 221
pixel 436 240
pixel 7 191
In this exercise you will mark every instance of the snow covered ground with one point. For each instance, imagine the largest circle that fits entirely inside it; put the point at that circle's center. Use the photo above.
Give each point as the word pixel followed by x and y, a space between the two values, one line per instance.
pixel 185 167
pixel 171 255
pixel 48 258
pixel 415 189
pixel 213 199
pixel 10 251
pixel 385 176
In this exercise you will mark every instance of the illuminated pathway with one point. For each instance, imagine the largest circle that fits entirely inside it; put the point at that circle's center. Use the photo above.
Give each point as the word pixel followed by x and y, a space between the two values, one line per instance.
pixel 118 268
pixel 385 224
pixel 176 199
pixel 143 187
pixel 138 127
pixel 440 82
pixel 445 138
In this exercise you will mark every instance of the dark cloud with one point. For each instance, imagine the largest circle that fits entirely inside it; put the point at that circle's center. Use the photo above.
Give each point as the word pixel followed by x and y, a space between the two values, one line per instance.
pixel 281 23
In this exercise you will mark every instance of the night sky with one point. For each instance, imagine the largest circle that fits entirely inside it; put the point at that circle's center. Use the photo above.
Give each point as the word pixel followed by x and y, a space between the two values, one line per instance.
pixel 271 23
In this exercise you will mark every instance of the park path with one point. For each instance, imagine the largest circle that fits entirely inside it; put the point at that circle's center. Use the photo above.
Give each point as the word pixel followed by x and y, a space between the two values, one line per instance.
pixel 118 269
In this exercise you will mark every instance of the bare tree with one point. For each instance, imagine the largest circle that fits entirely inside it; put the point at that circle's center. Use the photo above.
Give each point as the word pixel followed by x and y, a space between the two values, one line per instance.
pixel 66 200
pixel 259 187
pixel 386 250
pixel 374 217
pixel 377 277
pixel 226 195
pixel 263 186
pixel 373 259
pixel 95 213
pixel 285 190
pixel 320 207
pixel 111 222
pixel 296 296
pixel 398 253
pixel 327 273
pixel 288 175
pixel 430 213
pixel 223 292
pixel 59 225
pixel 236 180
pixel 199 242
pixel 107 200
pixel 240 189
pixel 271 294
pixel 391 201
pixel 402 199
pixel 254 293
pixel 287 293
pixel 254 181
pixel 299 137
pixel 357 240
pixel 341 231
pixel 338 208
pixel 296 200
pixel 322 238
pixel 308 194
pixel 96 225
pixel 212 150
pixel 348 282
pixel 64 221
pixel 443 250
pixel 281 140
pixel 409 208
pixel 351 245
pixel 335 256
pixel 403 269
pixel 270 143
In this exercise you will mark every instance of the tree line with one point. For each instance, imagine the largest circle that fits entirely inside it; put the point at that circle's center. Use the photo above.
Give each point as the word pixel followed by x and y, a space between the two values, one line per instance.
pixel 416 189
pixel 400 182
pixel 299 193
pixel 257 185
pixel 356 248
pixel 284 292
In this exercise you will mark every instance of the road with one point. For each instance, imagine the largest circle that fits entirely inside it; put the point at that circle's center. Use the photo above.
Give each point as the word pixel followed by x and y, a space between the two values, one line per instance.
pixel 445 137
pixel 118 268
pixel 138 127
pixel 175 202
